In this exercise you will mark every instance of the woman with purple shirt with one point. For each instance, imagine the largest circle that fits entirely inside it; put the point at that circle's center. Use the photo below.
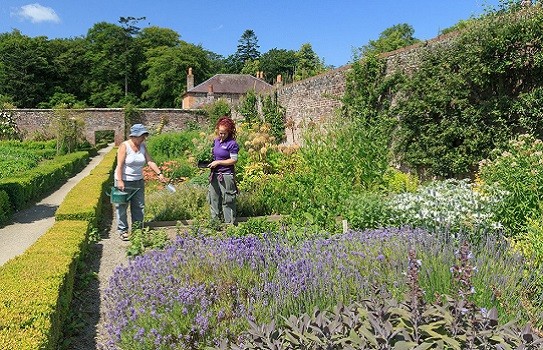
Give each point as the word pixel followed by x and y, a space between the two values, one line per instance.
pixel 222 186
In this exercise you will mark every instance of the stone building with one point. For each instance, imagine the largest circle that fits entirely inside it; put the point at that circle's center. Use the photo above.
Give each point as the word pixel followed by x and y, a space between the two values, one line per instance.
pixel 229 87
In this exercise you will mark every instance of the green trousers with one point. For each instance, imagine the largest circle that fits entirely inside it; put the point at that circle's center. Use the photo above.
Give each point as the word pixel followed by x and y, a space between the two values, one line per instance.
pixel 221 196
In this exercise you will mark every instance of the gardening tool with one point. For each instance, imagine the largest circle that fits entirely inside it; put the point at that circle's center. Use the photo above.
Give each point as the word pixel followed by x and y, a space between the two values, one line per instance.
pixel 203 164
pixel 121 197
pixel 170 188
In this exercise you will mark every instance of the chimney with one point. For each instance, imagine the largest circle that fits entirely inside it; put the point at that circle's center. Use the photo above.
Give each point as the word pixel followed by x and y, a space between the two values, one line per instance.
pixel 210 96
pixel 190 80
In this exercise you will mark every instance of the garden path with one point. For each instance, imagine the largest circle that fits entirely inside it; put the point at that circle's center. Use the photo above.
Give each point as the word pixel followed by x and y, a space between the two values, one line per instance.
pixel 29 224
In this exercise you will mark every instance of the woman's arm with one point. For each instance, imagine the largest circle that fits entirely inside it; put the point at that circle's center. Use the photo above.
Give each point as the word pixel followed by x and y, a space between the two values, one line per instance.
pixel 121 157
pixel 153 165
pixel 226 162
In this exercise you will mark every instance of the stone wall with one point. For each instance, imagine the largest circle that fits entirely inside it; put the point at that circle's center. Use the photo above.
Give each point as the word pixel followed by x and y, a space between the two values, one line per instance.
pixel 311 100
pixel 318 98
pixel 31 121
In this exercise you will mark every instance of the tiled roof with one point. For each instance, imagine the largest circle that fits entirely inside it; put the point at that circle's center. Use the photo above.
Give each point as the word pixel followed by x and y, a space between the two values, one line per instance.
pixel 232 84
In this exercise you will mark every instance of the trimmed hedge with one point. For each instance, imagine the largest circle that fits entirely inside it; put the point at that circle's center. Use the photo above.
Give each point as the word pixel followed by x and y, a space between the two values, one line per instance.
pixel 33 184
pixel 85 200
pixel 36 288
pixel 5 208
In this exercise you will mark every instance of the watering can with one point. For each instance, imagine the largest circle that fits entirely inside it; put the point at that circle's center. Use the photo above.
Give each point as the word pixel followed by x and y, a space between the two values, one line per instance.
pixel 121 197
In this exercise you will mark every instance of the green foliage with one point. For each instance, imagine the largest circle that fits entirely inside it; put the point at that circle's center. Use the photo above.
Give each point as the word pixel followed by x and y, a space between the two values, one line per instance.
pixel 468 95
pixel 308 64
pixel 166 72
pixel 132 115
pixel 21 156
pixel 275 115
pixel 365 210
pixel 33 184
pixel 392 38
pixel 62 100
pixel 37 287
pixel 253 226
pixel 530 241
pixel 219 108
pixel 248 108
pixel 188 202
pixel 515 170
pixel 247 47
pixel 278 62
pixel 173 145
pixel 5 208
pixel 396 181
pixel 68 131
pixel 142 240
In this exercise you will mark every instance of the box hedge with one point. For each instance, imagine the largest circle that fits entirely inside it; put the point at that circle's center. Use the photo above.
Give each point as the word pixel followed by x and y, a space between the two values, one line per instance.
pixel 36 287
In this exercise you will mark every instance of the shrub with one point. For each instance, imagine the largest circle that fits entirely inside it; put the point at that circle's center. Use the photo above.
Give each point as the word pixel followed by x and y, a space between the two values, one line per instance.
pixel 366 210
pixel 516 171
pixel 188 202
pixel 172 145
pixel 5 208
pixel 450 206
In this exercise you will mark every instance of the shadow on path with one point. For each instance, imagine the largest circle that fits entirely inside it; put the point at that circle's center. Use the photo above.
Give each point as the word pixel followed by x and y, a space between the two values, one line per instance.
pixel 35 213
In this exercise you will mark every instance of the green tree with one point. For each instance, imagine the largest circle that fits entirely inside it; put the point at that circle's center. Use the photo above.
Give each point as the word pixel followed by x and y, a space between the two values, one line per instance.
pixel 72 66
pixel 153 37
pixel 27 73
pixel 132 55
pixel 166 71
pixel 248 47
pixel 278 61
pixel 251 67
pixel 308 63
pixel 395 37
pixel 107 48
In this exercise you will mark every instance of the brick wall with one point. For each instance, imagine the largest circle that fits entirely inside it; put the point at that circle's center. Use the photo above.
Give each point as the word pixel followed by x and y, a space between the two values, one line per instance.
pixel 32 121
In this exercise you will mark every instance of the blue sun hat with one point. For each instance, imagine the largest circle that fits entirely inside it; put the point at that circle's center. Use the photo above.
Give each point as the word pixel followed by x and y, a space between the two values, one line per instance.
pixel 137 130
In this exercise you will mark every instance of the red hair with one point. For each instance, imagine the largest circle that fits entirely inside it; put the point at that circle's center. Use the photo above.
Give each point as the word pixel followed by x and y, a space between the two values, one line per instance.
pixel 228 123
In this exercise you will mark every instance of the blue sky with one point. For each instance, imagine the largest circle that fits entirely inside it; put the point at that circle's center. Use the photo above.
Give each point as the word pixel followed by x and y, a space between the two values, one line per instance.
pixel 333 28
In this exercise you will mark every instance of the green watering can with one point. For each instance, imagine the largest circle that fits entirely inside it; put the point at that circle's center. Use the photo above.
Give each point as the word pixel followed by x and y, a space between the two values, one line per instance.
pixel 121 197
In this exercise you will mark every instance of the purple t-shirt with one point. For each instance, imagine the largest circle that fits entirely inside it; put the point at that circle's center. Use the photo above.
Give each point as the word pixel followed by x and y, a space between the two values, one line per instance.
pixel 223 151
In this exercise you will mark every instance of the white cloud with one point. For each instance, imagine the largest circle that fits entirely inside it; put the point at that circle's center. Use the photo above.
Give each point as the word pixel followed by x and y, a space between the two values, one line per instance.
pixel 37 13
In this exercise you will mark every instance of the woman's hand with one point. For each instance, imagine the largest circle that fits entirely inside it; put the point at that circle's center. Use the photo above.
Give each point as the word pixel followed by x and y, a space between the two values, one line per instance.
pixel 213 164
pixel 161 178
pixel 120 185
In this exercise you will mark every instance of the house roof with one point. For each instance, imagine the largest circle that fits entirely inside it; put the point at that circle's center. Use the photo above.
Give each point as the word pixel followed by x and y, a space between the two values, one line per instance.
pixel 232 84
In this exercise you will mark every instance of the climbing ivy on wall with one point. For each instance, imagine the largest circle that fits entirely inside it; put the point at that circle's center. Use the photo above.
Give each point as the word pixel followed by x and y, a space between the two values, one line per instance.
pixel 463 99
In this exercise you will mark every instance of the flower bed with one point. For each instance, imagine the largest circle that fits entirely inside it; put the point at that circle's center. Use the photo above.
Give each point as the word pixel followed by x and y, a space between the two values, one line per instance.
pixel 201 290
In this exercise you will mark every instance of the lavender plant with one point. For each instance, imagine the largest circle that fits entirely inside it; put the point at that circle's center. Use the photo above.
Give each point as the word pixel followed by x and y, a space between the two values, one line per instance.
pixel 201 290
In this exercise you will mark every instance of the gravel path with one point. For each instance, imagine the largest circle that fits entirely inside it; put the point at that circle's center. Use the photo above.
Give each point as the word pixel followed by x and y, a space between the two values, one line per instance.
pixel 87 305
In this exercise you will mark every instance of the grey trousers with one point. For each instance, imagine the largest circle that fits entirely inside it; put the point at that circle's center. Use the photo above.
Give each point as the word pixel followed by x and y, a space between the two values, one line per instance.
pixel 221 195
pixel 137 205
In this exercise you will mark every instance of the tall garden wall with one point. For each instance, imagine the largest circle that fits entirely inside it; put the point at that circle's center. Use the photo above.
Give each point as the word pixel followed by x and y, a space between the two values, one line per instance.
pixel 32 121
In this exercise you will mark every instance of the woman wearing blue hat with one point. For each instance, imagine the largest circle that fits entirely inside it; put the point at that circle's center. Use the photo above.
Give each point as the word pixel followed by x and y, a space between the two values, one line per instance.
pixel 132 156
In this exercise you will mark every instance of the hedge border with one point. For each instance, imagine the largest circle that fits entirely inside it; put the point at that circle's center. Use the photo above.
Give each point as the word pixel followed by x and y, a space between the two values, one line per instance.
pixel 36 287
